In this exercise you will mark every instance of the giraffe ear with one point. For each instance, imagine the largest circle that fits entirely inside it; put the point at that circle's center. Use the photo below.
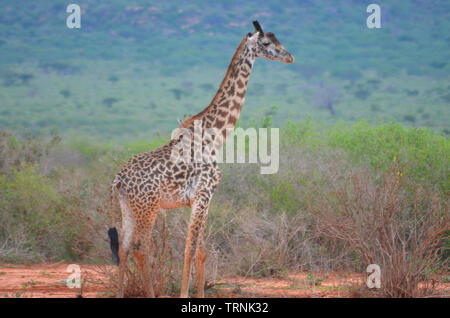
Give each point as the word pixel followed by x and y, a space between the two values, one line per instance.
pixel 252 37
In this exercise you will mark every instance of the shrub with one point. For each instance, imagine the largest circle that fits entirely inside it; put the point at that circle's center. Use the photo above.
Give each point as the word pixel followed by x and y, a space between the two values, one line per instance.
pixel 410 118
pixel 33 214
pixel 109 101
pixel 93 246
pixel 15 152
pixel 113 78
pixel 65 93
pixel 386 225
pixel 425 152
pixel 362 93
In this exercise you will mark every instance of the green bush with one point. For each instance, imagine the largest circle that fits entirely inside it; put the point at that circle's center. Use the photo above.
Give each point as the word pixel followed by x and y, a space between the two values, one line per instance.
pixel 425 153
pixel 33 216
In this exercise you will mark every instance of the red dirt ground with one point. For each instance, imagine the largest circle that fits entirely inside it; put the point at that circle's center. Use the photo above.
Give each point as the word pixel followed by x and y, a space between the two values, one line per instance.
pixel 48 280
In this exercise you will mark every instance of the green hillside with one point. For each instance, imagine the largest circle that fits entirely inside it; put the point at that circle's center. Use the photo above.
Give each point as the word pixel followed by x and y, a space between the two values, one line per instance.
pixel 134 67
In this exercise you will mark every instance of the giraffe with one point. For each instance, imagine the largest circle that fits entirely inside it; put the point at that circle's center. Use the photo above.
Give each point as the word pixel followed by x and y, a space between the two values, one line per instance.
pixel 158 179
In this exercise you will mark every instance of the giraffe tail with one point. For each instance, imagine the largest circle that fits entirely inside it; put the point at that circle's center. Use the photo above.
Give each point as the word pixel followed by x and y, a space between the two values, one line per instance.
pixel 112 232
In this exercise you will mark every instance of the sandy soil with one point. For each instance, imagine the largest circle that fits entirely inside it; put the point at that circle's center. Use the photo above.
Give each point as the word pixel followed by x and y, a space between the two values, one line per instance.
pixel 49 280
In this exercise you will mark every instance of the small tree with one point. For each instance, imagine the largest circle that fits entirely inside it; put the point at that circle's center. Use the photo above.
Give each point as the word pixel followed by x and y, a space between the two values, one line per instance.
pixel 326 97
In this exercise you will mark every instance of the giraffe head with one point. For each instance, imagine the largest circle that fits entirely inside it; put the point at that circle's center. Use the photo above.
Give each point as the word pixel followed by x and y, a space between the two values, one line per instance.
pixel 265 44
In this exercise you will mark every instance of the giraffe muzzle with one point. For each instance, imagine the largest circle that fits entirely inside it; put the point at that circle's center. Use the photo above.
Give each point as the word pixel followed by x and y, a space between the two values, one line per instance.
pixel 289 60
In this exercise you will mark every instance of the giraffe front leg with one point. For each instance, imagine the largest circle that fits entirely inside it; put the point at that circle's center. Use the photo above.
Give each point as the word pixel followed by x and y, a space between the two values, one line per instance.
pixel 188 251
pixel 200 258
pixel 196 230
pixel 195 240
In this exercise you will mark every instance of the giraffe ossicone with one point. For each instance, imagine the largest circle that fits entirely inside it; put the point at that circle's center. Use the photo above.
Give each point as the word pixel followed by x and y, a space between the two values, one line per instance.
pixel 161 179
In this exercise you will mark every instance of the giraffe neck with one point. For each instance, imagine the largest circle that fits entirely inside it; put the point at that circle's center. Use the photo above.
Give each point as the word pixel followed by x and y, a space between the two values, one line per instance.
pixel 225 108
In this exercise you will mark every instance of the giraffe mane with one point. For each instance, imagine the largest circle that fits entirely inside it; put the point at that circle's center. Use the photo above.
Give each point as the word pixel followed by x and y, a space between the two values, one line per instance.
pixel 187 122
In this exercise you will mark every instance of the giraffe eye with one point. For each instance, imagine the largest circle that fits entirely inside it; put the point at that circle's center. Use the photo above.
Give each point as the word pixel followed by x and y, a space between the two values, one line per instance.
pixel 266 43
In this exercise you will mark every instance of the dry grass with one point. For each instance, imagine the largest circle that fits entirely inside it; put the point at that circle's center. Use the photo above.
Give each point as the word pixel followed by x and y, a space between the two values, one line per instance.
pixel 399 227
pixel 95 248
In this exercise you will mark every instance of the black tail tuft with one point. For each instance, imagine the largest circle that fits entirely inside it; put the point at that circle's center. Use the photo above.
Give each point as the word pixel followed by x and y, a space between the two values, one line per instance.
pixel 114 243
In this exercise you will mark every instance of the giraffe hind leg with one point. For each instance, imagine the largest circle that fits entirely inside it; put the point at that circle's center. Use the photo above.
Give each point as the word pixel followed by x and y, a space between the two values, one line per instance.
pixel 126 238
pixel 142 259
pixel 142 249
pixel 123 253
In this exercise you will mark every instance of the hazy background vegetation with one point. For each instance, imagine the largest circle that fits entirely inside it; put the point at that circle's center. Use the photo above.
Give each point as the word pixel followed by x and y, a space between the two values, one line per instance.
pixel 135 66
pixel 363 116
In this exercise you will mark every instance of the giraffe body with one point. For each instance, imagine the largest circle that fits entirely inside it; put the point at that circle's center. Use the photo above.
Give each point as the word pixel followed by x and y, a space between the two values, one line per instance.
pixel 161 179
